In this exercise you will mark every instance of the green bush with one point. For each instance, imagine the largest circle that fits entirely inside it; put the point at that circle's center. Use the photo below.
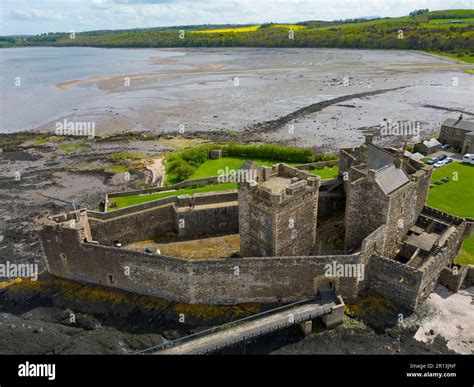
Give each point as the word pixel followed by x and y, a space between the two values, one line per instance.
pixel 270 151
pixel 196 155
pixel 180 169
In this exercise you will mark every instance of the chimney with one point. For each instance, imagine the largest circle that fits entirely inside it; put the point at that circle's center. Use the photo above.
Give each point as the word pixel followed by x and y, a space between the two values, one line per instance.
pixel 369 139
pixel 371 175
pixel 398 161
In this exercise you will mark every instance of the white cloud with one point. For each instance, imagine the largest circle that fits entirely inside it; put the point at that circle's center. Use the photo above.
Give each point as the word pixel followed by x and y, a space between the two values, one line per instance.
pixel 39 16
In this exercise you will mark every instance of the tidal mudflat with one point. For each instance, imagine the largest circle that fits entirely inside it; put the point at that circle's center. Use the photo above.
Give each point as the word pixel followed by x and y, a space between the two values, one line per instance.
pixel 234 89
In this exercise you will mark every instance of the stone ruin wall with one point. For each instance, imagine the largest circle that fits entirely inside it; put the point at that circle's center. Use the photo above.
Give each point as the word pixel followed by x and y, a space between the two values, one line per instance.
pixel 162 217
pixel 219 281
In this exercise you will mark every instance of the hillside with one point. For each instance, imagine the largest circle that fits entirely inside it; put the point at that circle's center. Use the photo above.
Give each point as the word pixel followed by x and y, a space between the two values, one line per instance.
pixel 450 31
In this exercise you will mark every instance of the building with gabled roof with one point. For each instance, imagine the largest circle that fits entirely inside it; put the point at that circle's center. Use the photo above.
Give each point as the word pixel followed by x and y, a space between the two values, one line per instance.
pixel 459 134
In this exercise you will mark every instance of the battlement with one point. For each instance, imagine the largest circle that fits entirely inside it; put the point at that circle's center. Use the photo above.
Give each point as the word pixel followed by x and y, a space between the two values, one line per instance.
pixel 279 184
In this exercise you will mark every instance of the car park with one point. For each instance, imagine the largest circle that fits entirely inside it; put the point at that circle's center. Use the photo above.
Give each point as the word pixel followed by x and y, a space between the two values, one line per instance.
pixel 443 162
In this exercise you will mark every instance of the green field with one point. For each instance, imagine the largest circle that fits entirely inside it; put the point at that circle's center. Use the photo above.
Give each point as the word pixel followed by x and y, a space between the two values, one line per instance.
pixel 450 31
pixel 326 173
pixel 226 164
pixel 125 201
pixel 213 167
pixel 456 197
pixel 467 252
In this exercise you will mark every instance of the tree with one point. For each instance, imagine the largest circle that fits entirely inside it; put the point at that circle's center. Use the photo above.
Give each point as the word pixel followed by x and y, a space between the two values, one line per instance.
pixel 418 12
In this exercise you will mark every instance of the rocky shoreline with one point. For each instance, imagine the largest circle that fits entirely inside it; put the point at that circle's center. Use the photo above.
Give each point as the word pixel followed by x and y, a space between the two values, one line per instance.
pixel 36 317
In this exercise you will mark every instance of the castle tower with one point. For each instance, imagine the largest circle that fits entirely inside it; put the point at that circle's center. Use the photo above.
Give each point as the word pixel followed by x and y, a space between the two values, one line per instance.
pixel 384 187
pixel 277 211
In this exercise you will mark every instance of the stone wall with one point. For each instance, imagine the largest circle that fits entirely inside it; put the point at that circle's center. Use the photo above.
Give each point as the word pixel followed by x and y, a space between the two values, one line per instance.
pixel 161 217
pixel 219 281
pixel 360 221
pixel 453 279
pixel 394 280
pixel 332 197
pixel 469 278
pixel 431 269
pixel 211 221
pixel 187 183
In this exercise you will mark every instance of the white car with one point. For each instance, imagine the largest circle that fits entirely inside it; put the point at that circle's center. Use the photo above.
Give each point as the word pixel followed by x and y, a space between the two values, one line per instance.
pixel 442 163
pixel 468 158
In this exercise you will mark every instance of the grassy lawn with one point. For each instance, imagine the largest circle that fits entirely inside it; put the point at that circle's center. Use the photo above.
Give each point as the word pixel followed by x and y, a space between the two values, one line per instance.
pixel 467 252
pixel 125 201
pixel 326 173
pixel 457 198
pixel 212 167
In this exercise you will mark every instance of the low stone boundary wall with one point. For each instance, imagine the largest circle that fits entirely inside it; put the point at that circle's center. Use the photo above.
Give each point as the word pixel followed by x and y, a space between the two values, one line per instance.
pixel 318 164
pixel 184 184
pixel 180 200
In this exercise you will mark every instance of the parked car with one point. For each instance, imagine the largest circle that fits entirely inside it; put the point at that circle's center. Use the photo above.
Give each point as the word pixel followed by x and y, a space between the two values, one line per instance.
pixel 445 146
pixel 434 160
pixel 448 160
pixel 468 158
pixel 439 164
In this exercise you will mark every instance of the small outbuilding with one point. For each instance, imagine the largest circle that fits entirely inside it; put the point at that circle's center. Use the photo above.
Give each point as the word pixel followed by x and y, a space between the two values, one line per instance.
pixel 428 147
pixel 215 154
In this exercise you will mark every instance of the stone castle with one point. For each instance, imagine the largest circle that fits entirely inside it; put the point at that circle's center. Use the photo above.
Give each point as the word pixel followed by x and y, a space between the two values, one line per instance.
pixel 296 232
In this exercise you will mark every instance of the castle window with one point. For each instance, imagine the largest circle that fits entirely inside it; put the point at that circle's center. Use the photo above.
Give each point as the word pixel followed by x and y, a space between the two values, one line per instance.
pixel 63 257
pixel 110 278
pixel 401 280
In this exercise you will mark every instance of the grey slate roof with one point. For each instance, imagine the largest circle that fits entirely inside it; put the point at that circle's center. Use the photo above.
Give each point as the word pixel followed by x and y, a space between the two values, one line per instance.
pixel 461 124
pixel 390 178
pixel 416 156
pixel 378 157
pixel 431 143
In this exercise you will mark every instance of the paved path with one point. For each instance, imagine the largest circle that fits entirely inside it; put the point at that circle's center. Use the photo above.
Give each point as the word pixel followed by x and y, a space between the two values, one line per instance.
pixel 251 329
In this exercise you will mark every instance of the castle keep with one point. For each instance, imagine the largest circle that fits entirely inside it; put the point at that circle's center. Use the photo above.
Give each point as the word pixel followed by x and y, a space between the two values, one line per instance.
pixel 278 212
pixel 293 227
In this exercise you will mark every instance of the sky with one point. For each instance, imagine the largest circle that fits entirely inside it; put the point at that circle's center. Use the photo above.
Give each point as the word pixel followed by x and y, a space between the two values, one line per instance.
pixel 41 16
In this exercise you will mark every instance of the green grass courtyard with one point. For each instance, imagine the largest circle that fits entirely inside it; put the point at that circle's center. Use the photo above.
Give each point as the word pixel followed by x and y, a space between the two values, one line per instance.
pixel 456 197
